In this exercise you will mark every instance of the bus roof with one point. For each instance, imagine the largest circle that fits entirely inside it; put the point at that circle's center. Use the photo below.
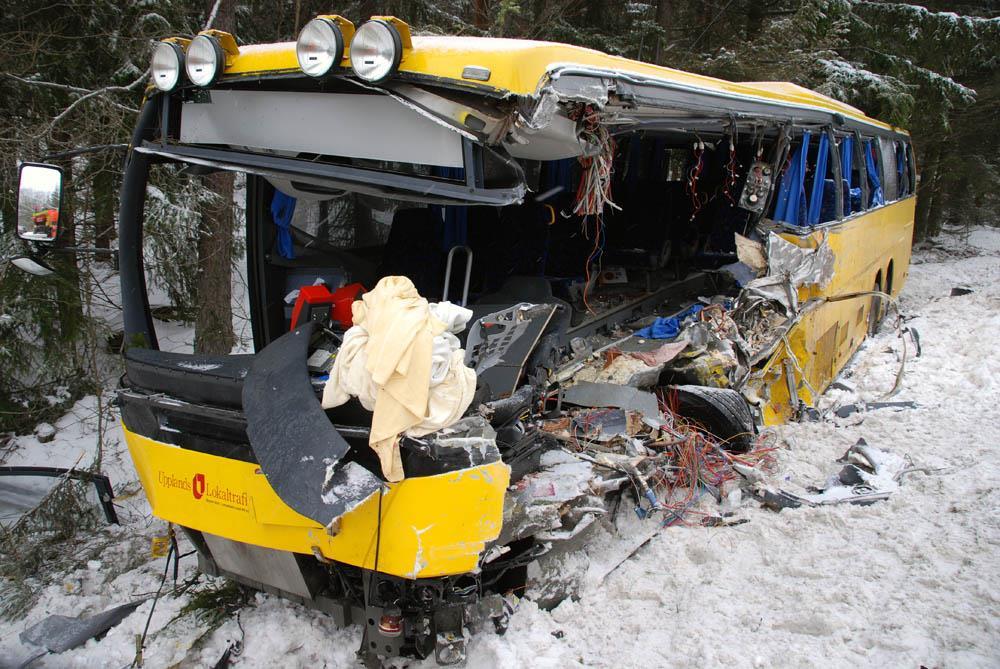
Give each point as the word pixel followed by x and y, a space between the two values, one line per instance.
pixel 521 67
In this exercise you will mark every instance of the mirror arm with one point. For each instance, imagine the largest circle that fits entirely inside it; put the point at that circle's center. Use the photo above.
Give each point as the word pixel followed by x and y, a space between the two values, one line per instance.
pixel 84 249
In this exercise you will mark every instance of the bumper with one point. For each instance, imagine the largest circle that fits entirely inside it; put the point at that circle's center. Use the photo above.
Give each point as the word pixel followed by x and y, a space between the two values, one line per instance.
pixel 431 526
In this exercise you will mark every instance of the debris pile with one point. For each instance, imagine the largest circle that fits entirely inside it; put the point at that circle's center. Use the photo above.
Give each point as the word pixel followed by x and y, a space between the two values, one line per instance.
pixel 869 475
pixel 614 438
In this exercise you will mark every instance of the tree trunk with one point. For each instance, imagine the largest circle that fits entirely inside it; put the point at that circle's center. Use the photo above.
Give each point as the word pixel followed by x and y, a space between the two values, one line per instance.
pixel 367 9
pixel 663 16
pixel 755 21
pixel 924 224
pixel 481 14
pixel 68 286
pixel 213 327
pixel 105 199
pixel 663 13
pixel 8 172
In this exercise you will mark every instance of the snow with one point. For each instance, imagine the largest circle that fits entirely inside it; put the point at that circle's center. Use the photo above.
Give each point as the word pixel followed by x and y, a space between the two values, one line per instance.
pixel 198 367
pixel 907 582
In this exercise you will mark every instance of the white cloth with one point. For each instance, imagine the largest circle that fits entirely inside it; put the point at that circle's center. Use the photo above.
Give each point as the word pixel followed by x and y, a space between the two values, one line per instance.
pixel 402 362
pixel 455 318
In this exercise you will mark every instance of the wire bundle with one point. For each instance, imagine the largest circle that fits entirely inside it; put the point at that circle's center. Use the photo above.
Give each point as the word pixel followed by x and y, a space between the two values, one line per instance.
pixel 593 193
pixel 729 185
pixel 691 186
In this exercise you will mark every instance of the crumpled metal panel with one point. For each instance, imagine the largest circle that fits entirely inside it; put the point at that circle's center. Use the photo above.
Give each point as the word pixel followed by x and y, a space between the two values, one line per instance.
pixel 801 266
pixel 789 267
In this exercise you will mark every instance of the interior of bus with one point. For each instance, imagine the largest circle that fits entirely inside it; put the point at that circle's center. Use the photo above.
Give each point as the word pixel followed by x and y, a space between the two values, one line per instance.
pixel 675 213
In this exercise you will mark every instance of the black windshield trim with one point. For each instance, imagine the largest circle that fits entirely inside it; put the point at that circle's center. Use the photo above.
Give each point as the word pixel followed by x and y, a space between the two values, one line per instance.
pixel 356 179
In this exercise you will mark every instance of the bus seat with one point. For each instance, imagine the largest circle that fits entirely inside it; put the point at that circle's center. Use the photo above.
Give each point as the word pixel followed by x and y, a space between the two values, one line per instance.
pixel 828 207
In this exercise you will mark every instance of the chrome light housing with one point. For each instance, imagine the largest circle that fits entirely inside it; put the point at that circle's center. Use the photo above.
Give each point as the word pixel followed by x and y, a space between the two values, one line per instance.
pixel 320 47
pixel 167 65
pixel 205 60
pixel 376 51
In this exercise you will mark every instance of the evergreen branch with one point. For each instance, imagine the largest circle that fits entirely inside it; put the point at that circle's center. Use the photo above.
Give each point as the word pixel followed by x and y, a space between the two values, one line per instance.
pixel 100 91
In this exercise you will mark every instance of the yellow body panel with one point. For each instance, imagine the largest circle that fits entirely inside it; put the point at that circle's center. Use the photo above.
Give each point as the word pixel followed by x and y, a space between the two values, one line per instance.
pixel 519 67
pixel 874 245
pixel 431 525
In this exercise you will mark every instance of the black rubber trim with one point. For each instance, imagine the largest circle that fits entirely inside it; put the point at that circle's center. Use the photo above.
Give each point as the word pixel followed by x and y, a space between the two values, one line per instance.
pixel 216 380
pixel 293 439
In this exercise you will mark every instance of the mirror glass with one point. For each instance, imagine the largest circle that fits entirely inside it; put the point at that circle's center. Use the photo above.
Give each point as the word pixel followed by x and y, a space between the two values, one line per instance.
pixel 38 199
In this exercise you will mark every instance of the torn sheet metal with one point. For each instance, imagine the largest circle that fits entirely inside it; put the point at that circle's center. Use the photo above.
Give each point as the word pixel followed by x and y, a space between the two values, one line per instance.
pixel 555 498
pixel 469 442
pixel 802 266
pixel 589 394
pixel 542 130
pixel 861 407
pixel 61 633
pixel 869 475
pixel 751 253
pixel 790 267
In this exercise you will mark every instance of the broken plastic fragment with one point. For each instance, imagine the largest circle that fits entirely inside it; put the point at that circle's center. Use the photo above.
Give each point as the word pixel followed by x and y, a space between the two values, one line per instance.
pixel 61 633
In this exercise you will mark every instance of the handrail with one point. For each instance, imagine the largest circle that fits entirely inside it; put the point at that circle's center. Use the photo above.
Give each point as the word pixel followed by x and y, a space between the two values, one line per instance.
pixel 468 274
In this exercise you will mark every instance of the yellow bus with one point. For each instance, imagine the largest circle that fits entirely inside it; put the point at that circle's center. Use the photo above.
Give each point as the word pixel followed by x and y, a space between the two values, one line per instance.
pixel 733 242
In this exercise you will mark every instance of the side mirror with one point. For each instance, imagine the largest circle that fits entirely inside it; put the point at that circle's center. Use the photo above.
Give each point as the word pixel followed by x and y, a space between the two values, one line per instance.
pixel 39 201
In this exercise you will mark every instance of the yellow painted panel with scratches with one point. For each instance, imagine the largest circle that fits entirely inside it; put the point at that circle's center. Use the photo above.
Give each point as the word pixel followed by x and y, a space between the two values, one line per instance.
pixel 431 525
pixel 873 246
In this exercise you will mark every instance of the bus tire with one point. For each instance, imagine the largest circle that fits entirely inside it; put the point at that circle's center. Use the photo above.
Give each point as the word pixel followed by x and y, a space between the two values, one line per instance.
pixel 721 411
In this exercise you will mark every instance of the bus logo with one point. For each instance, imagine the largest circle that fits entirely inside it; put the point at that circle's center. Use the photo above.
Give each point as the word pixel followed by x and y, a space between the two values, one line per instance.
pixel 198 486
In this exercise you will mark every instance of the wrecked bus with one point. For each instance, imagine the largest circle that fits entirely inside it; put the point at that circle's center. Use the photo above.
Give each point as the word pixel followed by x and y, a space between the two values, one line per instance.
pixel 490 280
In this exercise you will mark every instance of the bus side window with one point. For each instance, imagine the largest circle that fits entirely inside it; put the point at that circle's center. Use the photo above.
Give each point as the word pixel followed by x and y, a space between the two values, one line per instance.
pixel 807 193
pixel 852 175
pixel 822 182
pixel 791 203
pixel 889 169
pixel 904 168
pixel 876 197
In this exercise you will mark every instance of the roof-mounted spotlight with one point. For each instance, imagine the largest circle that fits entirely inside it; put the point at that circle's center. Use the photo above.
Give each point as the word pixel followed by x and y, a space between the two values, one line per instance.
pixel 206 56
pixel 377 48
pixel 320 46
pixel 167 65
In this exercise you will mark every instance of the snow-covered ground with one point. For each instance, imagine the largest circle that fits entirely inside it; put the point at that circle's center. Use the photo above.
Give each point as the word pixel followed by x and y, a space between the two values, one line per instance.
pixel 913 581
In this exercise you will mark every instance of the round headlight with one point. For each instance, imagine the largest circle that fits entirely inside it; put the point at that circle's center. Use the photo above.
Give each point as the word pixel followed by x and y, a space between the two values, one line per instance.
pixel 205 60
pixel 167 65
pixel 320 47
pixel 376 51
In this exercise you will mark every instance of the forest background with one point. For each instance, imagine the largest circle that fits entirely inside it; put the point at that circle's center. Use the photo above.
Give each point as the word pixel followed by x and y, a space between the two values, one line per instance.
pixel 72 75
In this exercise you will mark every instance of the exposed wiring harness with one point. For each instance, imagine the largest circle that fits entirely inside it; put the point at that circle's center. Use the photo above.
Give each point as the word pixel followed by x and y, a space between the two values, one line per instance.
pixel 698 200
pixel 593 193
